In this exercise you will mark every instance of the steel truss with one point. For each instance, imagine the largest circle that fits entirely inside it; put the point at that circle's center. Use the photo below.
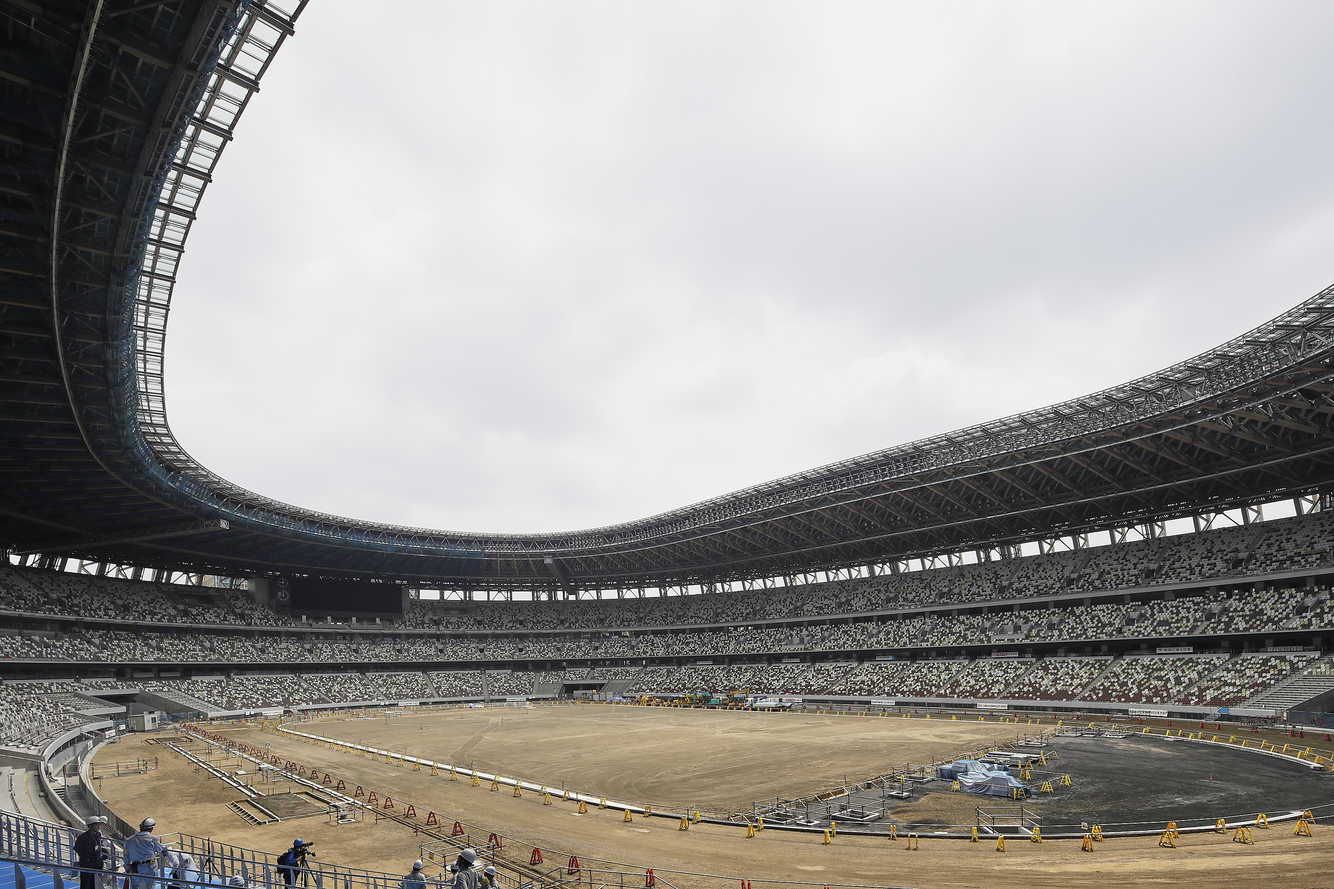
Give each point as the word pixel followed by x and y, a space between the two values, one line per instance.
pixel 127 108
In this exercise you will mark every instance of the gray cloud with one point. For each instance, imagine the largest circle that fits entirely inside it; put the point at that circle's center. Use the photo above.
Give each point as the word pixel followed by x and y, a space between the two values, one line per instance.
pixel 528 266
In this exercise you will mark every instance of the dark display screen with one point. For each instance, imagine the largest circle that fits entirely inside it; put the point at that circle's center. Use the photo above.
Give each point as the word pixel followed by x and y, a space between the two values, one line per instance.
pixel 316 595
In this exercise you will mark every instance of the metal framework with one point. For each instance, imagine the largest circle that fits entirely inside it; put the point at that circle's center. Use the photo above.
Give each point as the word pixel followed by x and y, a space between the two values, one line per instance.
pixel 122 110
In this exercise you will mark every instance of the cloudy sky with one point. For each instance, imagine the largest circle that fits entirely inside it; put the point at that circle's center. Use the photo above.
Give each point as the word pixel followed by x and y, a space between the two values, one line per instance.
pixel 529 266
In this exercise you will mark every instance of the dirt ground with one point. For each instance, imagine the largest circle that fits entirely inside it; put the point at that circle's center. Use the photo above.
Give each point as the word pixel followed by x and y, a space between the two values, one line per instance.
pixel 182 797
pixel 698 759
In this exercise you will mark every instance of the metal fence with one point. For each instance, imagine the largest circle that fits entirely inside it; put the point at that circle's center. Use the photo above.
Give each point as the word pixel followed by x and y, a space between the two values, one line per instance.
pixel 51 847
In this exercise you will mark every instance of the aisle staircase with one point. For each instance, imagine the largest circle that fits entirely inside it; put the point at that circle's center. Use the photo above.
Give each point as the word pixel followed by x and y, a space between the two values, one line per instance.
pixel 1092 685
pixel 1292 693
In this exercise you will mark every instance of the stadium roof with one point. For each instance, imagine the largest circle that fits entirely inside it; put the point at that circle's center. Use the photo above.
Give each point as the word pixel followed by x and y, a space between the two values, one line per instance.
pixel 116 114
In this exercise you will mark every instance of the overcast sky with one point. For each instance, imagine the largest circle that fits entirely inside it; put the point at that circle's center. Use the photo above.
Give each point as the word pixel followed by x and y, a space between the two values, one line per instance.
pixel 530 266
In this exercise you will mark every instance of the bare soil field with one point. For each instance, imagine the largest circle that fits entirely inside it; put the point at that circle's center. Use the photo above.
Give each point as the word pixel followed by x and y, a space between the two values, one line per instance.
pixel 708 856
pixel 715 760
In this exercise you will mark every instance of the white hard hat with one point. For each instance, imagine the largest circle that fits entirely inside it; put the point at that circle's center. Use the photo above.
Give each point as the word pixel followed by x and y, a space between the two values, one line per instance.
pixel 147 824
pixel 417 865
pixel 490 870
pixel 468 855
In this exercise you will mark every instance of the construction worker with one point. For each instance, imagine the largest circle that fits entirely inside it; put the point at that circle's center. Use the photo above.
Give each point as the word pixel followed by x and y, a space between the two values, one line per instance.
pixel 416 879
pixel 465 877
pixel 93 850
pixel 489 878
pixel 142 851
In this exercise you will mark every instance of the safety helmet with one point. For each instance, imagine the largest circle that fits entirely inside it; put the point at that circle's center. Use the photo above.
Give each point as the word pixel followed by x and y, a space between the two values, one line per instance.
pixel 147 824
pixel 417 865
pixel 490 870
pixel 297 843
pixel 468 855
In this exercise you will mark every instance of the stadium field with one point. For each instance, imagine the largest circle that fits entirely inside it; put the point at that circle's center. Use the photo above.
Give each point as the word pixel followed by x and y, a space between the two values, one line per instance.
pixel 185 798
pixel 708 759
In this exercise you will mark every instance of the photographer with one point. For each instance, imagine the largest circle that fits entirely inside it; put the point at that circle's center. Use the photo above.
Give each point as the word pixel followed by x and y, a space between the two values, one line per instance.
pixel 181 868
pixel 293 860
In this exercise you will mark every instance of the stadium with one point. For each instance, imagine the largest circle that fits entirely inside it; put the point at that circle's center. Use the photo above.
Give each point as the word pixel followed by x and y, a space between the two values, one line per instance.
pixel 1089 641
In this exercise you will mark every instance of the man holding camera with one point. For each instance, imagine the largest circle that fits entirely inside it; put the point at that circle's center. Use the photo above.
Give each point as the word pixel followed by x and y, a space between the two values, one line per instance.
pixel 293 860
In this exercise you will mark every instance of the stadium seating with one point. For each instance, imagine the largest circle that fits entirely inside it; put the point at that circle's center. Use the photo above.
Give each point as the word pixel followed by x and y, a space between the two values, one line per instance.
pixel 1264 548
pixel 897 635
pixel 1240 611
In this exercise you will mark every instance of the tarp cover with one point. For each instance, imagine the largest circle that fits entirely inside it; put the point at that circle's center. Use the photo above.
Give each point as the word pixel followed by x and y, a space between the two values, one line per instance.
pixel 980 777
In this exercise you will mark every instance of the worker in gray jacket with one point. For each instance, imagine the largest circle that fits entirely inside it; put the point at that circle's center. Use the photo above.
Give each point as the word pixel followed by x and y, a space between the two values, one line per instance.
pixel 465 873
pixel 142 851
pixel 416 879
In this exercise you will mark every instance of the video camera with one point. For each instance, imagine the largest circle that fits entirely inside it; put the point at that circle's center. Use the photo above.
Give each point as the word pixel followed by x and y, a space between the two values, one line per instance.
pixel 303 851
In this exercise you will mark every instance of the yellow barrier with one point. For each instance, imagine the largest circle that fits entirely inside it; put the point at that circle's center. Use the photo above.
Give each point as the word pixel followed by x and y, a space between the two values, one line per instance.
pixel 913 842
pixel 1303 828
pixel 973 838
pixel 476 781
pixel 1036 835
pixel 1096 833
pixel 827 838
pixel 1168 840
pixel 1000 843
pixel 893 831
pixel 750 831
pixel 583 808
pixel 518 791
pixel 1220 826
pixel 628 816
pixel 1244 836
pixel 495 785
pixel 1262 820
pixel 1087 844
pixel 954 788
pixel 685 823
